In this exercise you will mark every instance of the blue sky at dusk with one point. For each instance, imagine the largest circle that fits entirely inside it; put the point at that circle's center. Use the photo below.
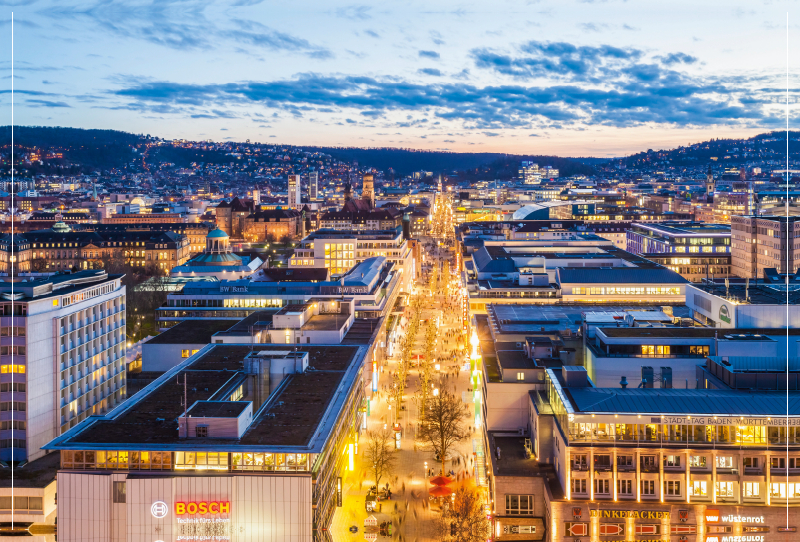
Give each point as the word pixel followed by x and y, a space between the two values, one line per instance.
pixel 570 77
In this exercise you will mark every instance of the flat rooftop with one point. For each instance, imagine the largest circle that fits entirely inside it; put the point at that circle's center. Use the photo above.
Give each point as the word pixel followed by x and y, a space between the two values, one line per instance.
pixel 530 319
pixel 690 332
pixel 325 322
pixel 39 473
pixel 191 332
pixel 290 417
pixel 756 293
pixel 683 402
pixel 217 409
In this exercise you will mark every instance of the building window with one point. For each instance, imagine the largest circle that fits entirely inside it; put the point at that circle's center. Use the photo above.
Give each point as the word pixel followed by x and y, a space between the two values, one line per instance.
pixel 184 353
pixel 579 462
pixel 201 431
pixel 724 489
pixel 520 376
pixel 672 488
pixel 119 492
pixel 724 462
pixel 648 487
pixel 624 461
pixel 625 487
pixel 672 461
pixel 579 485
pixel 699 488
pixel 750 462
pixel 519 505
pixel 752 489
pixel 601 486
pixel 697 461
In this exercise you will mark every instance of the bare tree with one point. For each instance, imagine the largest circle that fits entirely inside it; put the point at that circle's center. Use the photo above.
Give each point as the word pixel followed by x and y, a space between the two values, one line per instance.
pixel 443 425
pixel 464 520
pixel 379 454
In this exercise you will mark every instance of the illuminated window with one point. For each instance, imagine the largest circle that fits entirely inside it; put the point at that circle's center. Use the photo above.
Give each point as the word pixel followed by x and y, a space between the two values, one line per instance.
pixel 698 488
pixel 752 489
pixel 672 488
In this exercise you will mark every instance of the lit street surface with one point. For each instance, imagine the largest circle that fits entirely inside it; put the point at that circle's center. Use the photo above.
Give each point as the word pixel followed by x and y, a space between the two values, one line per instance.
pixel 412 513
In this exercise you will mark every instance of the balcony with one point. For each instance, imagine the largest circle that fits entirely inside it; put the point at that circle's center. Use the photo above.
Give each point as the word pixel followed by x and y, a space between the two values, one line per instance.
pixel 648 468
pixel 626 468
pixel 603 468
pixel 753 470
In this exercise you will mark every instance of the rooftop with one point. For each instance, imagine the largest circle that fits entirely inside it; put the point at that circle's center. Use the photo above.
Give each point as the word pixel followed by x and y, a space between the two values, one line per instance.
pixel 290 417
pixel 683 402
pixel 191 332
pixel 38 474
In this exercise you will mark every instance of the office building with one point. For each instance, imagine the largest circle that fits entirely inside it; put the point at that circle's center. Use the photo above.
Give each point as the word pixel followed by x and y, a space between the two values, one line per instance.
pixel 759 242
pixel 66 356
pixel 374 284
pixel 746 303
pixel 387 218
pixel 583 268
pixel 294 192
pixel 688 238
pixel 256 452
pixel 663 463
pixel 340 250
pixel 313 185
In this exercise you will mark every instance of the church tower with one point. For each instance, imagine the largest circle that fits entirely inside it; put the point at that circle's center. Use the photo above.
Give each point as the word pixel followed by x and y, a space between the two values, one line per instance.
pixel 368 190
pixel 710 184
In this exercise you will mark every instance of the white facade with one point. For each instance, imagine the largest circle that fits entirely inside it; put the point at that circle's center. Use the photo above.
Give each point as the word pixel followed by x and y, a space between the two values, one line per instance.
pixel 268 508
pixel 294 191
pixel 313 185
pixel 73 364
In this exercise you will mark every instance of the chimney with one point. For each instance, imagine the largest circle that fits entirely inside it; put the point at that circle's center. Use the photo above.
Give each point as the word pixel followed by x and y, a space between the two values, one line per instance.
pixel 623 383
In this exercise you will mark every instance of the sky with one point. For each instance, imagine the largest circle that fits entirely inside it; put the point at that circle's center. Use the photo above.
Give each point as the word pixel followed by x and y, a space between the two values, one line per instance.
pixel 572 78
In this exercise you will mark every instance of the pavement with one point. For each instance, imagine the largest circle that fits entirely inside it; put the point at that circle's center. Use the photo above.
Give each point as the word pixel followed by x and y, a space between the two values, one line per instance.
pixel 412 514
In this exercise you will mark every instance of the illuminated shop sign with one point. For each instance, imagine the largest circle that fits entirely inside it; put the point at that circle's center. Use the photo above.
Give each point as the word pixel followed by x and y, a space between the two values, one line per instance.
pixel 736 538
pixel 713 516
pixel 202 507
pixel 625 514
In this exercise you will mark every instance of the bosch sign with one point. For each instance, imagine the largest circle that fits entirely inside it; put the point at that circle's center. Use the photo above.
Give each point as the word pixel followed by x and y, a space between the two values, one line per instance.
pixel 202 507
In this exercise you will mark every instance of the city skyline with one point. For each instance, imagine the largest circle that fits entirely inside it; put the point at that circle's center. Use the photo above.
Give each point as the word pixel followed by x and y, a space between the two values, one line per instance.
pixel 616 79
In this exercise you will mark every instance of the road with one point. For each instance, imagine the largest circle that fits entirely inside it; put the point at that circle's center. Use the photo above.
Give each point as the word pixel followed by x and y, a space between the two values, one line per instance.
pixel 410 510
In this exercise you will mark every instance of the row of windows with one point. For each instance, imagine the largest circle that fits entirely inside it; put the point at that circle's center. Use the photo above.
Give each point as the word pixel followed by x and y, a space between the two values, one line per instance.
pixel 128 460
pixel 626 291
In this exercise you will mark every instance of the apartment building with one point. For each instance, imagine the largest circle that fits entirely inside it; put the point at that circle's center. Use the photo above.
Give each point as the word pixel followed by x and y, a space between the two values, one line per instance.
pixel 759 242
pixel 63 356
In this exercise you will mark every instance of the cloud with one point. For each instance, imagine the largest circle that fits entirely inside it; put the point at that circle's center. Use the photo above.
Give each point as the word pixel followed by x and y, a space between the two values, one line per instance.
pixel 639 96
pixel 372 33
pixel 430 71
pixel 429 54
pixel 555 59
pixel 177 24
pixel 45 103
pixel 677 58
pixel 355 12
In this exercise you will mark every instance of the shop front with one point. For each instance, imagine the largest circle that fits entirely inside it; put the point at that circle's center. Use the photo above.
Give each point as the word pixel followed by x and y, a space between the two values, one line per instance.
pixel 644 522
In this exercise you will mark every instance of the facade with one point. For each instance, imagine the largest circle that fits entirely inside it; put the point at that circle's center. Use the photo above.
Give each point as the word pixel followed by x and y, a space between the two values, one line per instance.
pixel 144 218
pixel 759 243
pixel 368 190
pixel 376 219
pixel 60 249
pixel 691 238
pixel 339 250
pixel 696 268
pixel 374 284
pixel 275 224
pixel 232 216
pixel 195 232
pixel 742 303
pixel 63 359
pixel 256 455
pixel 218 261
pixel 664 463
pixel 295 190
pixel 313 185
